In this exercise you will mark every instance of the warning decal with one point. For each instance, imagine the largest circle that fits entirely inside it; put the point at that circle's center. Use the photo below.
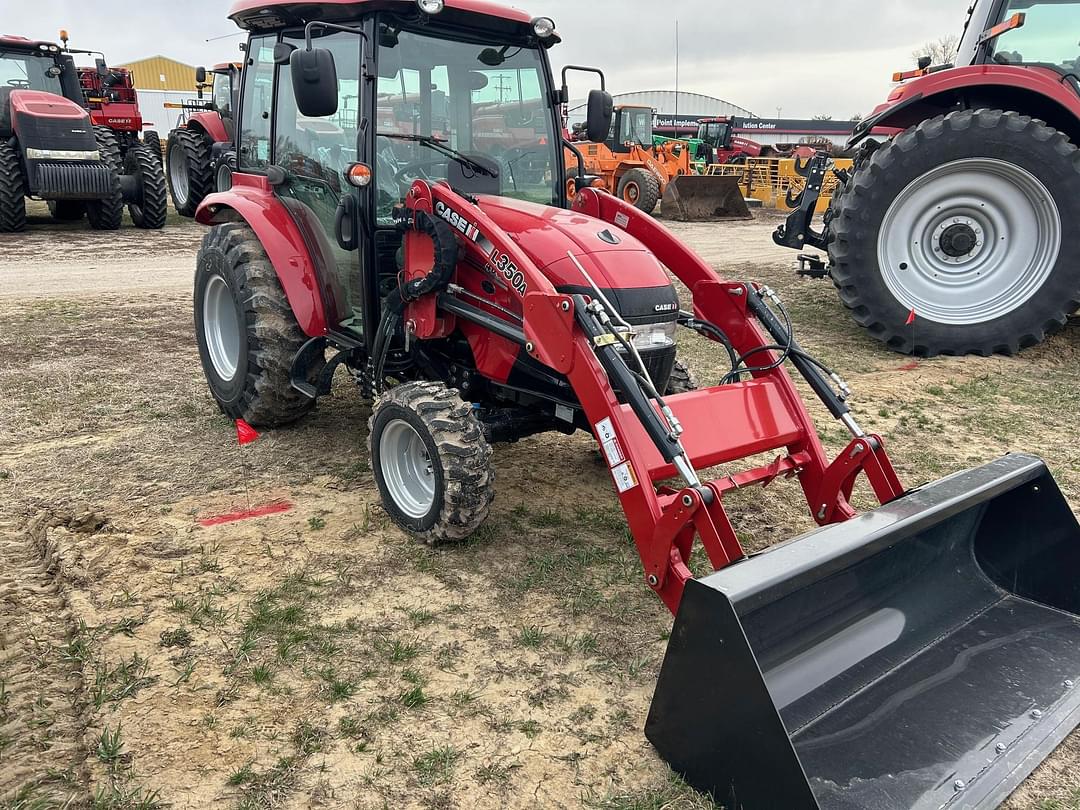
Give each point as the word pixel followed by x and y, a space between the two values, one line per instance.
pixel 605 433
pixel 625 479
pixel 621 220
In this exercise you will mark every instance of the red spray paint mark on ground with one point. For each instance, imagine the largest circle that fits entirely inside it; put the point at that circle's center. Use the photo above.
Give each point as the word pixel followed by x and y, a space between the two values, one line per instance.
pixel 909 367
pixel 248 514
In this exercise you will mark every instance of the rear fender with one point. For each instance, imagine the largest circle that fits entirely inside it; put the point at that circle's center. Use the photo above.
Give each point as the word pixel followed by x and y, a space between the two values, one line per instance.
pixel 1038 92
pixel 211 124
pixel 252 200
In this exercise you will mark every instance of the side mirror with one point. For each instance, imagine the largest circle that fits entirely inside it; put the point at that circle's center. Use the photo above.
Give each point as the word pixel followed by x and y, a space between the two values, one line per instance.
pixel 314 81
pixel 601 111
pixel 283 53
pixel 200 75
pixel 101 68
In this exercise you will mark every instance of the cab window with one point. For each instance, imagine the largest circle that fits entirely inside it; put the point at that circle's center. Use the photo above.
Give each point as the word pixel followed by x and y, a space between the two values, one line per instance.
pixel 258 96
pixel 1048 36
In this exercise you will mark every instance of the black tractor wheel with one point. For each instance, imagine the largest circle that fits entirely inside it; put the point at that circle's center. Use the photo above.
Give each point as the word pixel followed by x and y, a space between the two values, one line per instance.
pixel 681 380
pixel 967 220
pixel 432 463
pixel 640 188
pixel 67 210
pixel 12 191
pixel 152 141
pixel 247 334
pixel 188 170
pixel 107 214
pixel 150 207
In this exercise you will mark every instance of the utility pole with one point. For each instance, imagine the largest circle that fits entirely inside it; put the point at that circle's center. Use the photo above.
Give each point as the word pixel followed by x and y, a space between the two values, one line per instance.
pixel 676 77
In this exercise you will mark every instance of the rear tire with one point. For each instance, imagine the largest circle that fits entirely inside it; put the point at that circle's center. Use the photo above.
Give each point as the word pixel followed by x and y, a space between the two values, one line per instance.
pixel 188 172
pixel 108 214
pixel 431 461
pixel 151 209
pixel 247 334
pixel 640 188
pixel 223 175
pixel 152 141
pixel 67 210
pixel 1009 186
pixel 12 191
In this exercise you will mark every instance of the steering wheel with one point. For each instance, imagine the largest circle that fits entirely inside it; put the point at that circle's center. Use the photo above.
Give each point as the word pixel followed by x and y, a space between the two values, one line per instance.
pixel 417 170
pixel 512 156
pixel 22 84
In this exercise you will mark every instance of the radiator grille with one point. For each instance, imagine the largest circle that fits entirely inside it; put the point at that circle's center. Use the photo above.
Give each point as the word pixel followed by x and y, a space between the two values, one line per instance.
pixel 74 181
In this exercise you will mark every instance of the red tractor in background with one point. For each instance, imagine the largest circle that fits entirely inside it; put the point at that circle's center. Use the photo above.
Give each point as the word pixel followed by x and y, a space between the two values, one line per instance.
pixel 921 655
pixel 201 153
pixel 955 233
pixel 50 148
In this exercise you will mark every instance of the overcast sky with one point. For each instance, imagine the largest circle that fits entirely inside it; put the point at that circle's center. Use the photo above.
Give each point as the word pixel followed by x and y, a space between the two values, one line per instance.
pixel 814 57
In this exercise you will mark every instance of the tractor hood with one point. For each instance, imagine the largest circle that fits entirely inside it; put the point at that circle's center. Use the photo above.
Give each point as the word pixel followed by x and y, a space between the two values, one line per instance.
pixel 619 264
pixel 44 121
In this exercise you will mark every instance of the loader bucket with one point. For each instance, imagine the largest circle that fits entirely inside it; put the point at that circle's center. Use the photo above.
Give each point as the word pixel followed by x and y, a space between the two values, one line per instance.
pixel 703 198
pixel 924 655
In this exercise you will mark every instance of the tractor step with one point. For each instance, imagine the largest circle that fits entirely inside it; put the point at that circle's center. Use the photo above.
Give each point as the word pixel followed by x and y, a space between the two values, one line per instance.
pixel 311 351
pixel 924 655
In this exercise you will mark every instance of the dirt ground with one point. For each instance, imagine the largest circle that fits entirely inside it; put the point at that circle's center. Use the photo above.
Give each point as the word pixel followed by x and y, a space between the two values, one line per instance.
pixel 318 658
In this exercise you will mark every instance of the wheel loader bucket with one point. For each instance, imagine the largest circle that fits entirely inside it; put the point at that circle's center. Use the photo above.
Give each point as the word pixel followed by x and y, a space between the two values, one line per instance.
pixel 924 655
pixel 703 198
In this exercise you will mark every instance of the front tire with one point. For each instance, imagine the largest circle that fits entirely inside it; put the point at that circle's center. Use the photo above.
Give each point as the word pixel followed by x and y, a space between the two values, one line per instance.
pixel 431 461
pixel 152 141
pixel 107 214
pixel 188 170
pixel 12 191
pixel 247 334
pixel 966 219
pixel 641 189
pixel 150 209
pixel 682 379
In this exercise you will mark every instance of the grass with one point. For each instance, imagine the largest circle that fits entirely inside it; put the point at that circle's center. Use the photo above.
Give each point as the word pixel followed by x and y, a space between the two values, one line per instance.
pixel 122 681
pixel 110 745
pixel 436 766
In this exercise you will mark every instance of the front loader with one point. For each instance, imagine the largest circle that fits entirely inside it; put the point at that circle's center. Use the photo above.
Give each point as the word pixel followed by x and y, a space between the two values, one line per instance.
pixel 923 654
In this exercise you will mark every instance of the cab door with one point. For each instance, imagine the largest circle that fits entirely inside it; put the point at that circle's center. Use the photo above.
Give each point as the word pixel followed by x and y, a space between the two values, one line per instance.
pixel 314 154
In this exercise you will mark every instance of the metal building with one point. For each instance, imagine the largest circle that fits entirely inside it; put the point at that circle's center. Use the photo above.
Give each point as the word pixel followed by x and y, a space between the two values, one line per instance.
pixel 668 104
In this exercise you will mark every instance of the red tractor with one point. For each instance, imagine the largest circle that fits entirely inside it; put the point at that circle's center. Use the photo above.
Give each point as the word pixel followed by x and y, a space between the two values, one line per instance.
pixel 201 152
pixel 952 236
pixel 888 660
pixel 51 149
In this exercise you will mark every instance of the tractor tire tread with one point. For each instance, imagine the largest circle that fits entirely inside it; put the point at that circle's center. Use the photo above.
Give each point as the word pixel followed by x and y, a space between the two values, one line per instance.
pixel 682 379
pixel 108 214
pixel 196 148
pixel 154 211
pixel 464 454
pixel 12 191
pixel 649 187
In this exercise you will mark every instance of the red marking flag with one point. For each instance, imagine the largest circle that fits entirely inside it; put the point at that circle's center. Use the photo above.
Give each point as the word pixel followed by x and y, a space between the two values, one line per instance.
pixel 911 318
pixel 245 433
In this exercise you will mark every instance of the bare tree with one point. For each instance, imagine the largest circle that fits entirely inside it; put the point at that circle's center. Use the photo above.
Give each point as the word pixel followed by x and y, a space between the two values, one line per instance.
pixel 821 117
pixel 941 51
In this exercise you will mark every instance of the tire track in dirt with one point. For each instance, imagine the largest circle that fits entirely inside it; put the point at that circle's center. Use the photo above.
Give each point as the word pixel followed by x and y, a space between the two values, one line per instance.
pixel 41 690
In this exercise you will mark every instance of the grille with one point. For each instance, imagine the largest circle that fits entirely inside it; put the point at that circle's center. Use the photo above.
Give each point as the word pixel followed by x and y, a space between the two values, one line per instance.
pixel 659 363
pixel 74 181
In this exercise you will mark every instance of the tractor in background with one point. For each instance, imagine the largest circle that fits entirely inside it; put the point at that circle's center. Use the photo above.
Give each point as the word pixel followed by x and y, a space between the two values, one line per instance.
pixel 201 153
pixel 920 655
pixel 51 149
pixel 955 231
pixel 641 173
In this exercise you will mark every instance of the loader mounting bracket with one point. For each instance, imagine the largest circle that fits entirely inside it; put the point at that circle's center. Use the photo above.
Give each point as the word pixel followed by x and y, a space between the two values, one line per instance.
pixel 798 232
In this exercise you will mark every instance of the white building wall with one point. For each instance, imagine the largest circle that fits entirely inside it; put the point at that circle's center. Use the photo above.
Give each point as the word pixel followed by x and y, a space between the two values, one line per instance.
pixel 152 106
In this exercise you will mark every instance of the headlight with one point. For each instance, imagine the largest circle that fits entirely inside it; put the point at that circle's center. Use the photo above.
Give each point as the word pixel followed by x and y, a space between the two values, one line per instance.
pixel 654 336
pixel 431 6
pixel 62 154
pixel 543 27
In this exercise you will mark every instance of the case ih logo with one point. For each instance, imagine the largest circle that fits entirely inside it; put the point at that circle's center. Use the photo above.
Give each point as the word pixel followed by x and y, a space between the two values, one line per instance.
pixel 471 232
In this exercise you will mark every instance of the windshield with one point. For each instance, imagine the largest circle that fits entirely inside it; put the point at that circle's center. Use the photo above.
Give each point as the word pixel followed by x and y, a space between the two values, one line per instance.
pixel 635 126
pixel 29 71
pixel 1049 35
pixel 488 102
pixel 714 133
pixel 223 94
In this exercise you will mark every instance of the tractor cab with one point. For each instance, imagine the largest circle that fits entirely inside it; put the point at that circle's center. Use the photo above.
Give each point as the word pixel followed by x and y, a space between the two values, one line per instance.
pixel 223 82
pixel 1042 33
pixel 715 133
pixel 29 65
pixel 631 127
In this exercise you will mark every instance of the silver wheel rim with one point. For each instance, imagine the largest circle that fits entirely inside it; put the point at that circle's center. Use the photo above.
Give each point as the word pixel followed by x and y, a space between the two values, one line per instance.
pixel 969 241
pixel 224 178
pixel 221 328
pixel 407 469
pixel 178 175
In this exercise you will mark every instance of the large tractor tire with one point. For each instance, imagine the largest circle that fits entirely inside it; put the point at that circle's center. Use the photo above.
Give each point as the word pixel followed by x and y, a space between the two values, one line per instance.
pixel 152 141
pixel 682 379
pixel 108 214
pixel 12 191
pixel 246 331
pixel 431 461
pixel 967 219
pixel 67 210
pixel 640 188
pixel 150 207
pixel 190 175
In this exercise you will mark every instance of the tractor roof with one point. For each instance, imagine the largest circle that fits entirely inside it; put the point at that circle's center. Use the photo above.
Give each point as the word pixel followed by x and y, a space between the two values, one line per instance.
pixel 23 44
pixel 258 14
